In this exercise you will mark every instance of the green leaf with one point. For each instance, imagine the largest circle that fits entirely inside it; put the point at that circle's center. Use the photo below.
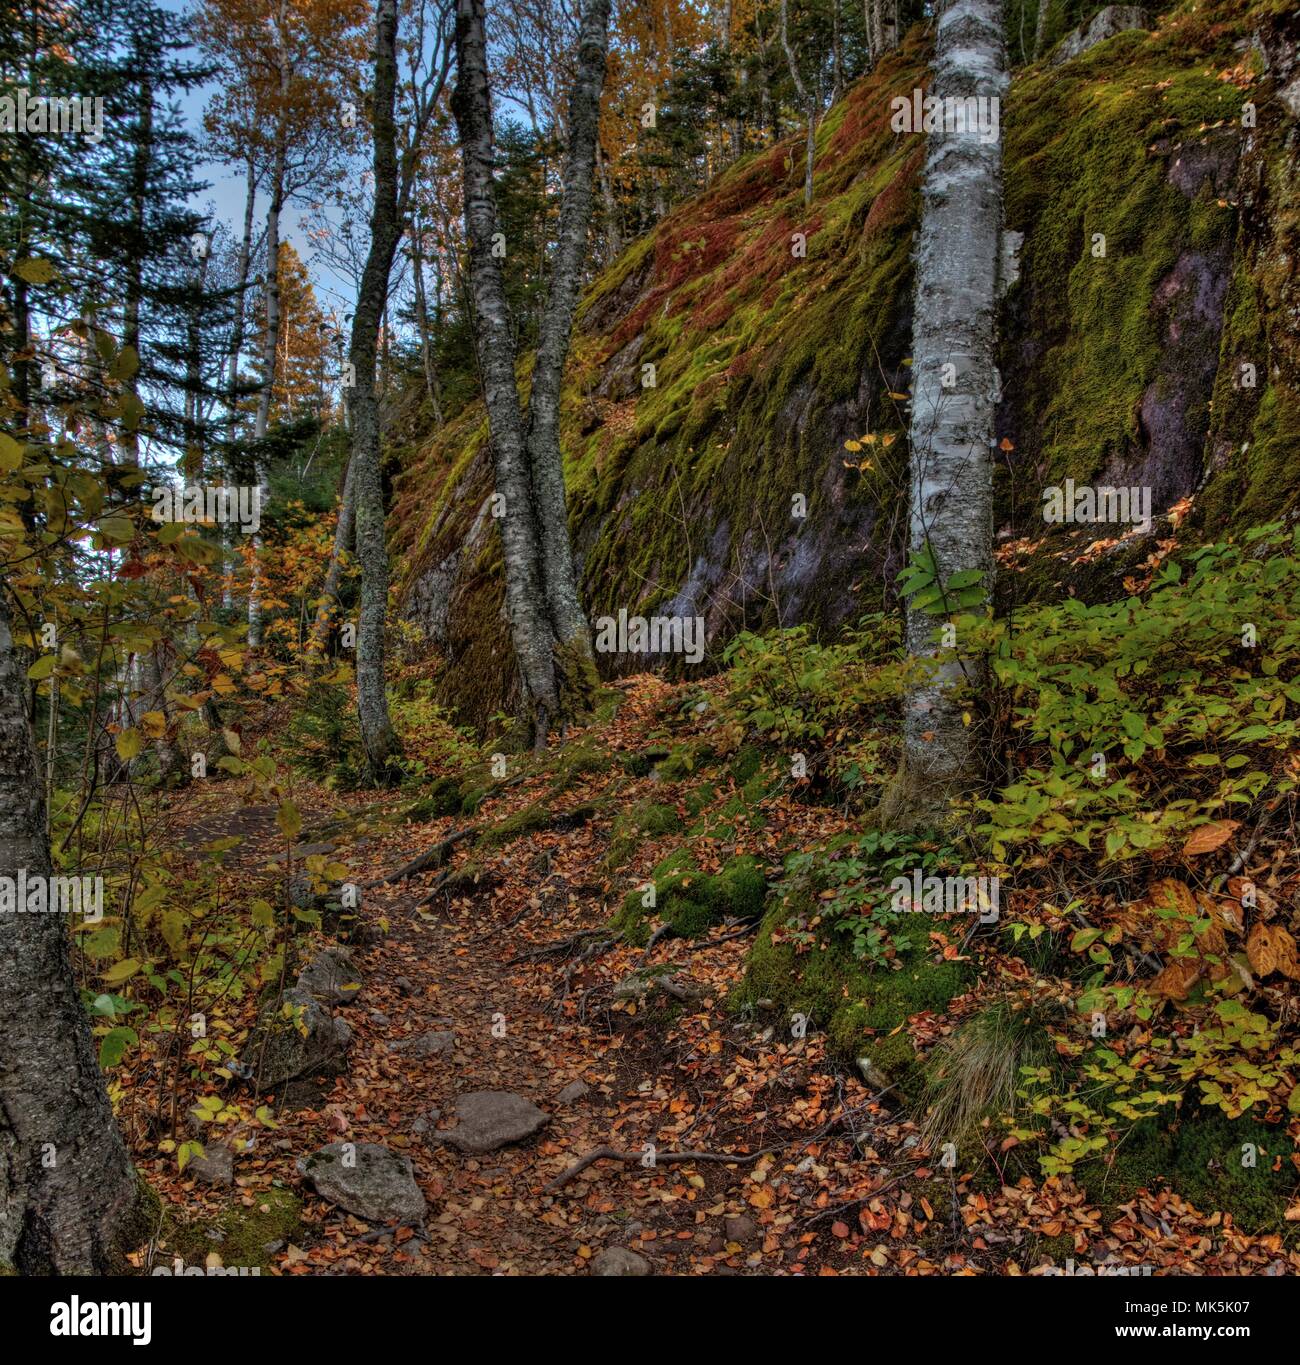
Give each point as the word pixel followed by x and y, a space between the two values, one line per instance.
pixel 121 971
pixel 114 1044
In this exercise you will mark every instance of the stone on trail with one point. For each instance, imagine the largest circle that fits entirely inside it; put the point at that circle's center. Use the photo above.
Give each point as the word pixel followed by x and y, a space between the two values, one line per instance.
pixel 367 1180
pixel 425 1044
pixel 215 1167
pixel 330 977
pixel 575 1090
pixel 305 1041
pixel 489 1119
pixel 619 1261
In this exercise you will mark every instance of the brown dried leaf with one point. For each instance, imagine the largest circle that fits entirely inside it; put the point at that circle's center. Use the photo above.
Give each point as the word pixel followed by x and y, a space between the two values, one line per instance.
pixel 1209 837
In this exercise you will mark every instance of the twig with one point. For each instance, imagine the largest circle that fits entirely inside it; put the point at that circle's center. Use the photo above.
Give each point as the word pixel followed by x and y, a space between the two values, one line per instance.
pixel 725 938
pixel 661 1159
pixel 434 857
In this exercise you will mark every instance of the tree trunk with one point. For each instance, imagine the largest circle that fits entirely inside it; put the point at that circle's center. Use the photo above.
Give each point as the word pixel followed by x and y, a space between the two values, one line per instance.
pixel 327 613
pixel 546 466
pixel 377 736
pixel 806 99
pixel 142 155
pixel 954 397
pixel 68 1193
pixel 241 286
pixel 271 339
pixel 613 232
pixel 1040 30
pixel 525 592
pixel 422 323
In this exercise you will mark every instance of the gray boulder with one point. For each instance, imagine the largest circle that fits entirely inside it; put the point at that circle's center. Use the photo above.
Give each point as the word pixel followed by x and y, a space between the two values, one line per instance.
pixel 1104 24
pixel 489 1119
pixel 296 1036
pixel 330 977
pixel 366 1180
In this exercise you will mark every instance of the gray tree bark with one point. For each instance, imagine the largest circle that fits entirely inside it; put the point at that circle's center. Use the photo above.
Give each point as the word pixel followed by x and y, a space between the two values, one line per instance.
pixel 422 322
pixel 377 735
pixel 954 396
pixel 271 337
pixel 68 1192
pixel 541 593
pixel 806 99
pixel 546 465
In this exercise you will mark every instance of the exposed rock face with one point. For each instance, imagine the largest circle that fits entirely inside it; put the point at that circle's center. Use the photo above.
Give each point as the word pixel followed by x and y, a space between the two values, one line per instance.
pixel 367 1180
pixel 1103 25
pixel 720 486
pixel 304 1039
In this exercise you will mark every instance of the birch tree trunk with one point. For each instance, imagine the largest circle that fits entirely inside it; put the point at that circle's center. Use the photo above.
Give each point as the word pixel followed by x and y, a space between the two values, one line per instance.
pixel 377 736
pixel 954 396
pixel 494 339
pixel 271 339
pixel 422 322
pixel 546 466
pixel 806 99
pixel 68 1192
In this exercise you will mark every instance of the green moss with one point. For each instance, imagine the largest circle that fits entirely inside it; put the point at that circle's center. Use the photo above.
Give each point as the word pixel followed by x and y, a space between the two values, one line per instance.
pixel 641 821
pixel 578 761
pixel 239 1235
pixel 858 1006
pixel 1199 1156
pixel 642 763
pixel 444 797
pixel 528 820
pixel 692 901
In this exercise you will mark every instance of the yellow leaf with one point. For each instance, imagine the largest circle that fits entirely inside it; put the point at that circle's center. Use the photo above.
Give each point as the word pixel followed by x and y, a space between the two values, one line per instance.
pixel 128 745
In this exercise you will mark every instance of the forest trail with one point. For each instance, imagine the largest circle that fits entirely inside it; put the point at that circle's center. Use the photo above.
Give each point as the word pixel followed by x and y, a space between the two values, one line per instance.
pixel 808 1171
pixel 503 968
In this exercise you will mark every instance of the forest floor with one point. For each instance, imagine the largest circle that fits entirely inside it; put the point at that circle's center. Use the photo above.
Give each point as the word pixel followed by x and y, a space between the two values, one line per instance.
pixel 802 1169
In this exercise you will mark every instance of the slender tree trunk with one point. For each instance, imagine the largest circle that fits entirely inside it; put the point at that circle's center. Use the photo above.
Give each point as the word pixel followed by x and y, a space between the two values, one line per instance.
pixel 242 268
pixel 68 1193
pixel 837 54
pixel 1040 30
pixel 546 466
pixel 954 396
pixel 327 613
pixel 613 232
pixel 271 339
pixel 142 155
pixel 422 323
pixel 806 99
pixel 494 339
pixel 377 736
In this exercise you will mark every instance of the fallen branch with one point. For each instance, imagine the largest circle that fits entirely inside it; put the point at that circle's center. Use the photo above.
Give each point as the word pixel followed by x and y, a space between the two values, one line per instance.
pixel 746 928
pixel 434 857
pixel 661 1159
